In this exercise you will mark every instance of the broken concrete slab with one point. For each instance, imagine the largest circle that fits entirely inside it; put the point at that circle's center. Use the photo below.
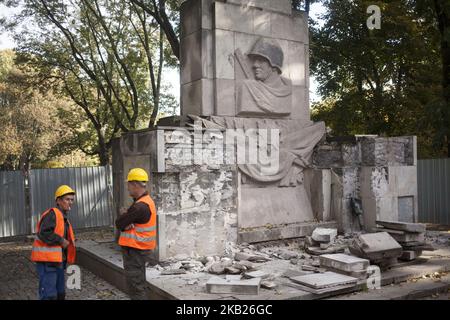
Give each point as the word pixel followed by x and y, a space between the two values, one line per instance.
pixel 257 274
pixel 361 274
pixel 270 285
pixel 409 237
pixel 320 291
pixel 324 234
pixel 376 246
pixel 217 268
pixel 220 285
pixel 324 280
pixel 344 262
pixel 403 226
pixel 233 277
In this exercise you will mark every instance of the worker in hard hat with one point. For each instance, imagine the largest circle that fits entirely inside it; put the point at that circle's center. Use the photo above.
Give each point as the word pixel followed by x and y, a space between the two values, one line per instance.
pixel 138 233
pixel 54 246
pixel 268 92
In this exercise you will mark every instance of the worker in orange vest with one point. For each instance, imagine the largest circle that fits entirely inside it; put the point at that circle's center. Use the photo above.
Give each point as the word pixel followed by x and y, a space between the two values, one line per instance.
pixel 54 246
pixel 138 233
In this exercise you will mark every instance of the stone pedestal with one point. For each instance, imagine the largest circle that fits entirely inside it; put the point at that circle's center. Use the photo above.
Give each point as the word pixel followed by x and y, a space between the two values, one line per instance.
pixel 380 172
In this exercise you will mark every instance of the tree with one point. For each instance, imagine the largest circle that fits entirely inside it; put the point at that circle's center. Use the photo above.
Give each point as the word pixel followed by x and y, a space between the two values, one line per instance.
pixel 107 56
pixel 385 81
pixel 32 128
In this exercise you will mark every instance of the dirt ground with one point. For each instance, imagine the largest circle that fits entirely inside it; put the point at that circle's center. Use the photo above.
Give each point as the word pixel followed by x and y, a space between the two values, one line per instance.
pixel 19 281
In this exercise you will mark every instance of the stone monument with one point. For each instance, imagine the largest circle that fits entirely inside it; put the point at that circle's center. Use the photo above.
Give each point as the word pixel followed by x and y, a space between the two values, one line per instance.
pixel 245 82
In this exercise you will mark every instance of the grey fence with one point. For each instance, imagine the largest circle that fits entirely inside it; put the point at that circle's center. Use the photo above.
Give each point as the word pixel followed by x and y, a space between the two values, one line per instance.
pixel 13 217
pixel 433 182
pixel 92 208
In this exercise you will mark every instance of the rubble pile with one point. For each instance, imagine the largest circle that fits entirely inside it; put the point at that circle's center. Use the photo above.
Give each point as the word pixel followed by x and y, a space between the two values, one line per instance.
pixel 380 248
pixel 411 236
pixel 323 241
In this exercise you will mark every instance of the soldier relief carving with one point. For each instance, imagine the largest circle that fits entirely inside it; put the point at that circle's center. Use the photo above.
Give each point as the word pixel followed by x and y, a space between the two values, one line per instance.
pixel 264 91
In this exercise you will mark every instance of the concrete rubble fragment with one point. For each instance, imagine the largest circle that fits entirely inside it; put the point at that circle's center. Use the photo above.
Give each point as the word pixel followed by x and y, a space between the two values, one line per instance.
pixel 324 235
pixel 345 264
pixel 324 282
pixel 411 237
pixel 380 248
pixel 234 286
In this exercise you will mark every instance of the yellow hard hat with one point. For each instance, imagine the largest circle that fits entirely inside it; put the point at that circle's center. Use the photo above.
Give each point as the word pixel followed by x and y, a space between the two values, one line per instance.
pixel 63 190
pixel 137 174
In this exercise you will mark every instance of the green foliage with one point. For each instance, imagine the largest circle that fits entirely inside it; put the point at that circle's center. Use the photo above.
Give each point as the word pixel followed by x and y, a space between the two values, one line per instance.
pixel 386 81
pixel 107 56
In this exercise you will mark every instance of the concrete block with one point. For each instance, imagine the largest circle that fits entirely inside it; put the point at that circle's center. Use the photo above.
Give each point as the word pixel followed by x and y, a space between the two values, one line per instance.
pixel 344 262
pixel 195 15
pixel 224 54
pixel 376 246
pixel 233 18
pixel 324 280
pixel 324 234
pixel 257 274
pixel 219 285
pixel 283 6
pixel 225 97
pixel 403 226
pixel 197 97
pixel 300 103
pixel 262 23
pixel 297 68
pixel 409 237
pixel 196 56
pixel 274 206
pixel 406 209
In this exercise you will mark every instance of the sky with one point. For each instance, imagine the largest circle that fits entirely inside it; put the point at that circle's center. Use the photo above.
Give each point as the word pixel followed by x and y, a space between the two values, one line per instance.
pixel 171 76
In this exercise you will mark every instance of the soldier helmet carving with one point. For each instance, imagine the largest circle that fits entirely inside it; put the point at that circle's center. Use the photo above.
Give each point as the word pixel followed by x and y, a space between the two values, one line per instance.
pixel 269 49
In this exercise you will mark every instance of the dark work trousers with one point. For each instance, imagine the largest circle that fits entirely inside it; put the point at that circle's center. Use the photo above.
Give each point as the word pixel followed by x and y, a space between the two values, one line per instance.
pixel 134 264
pixel 51 281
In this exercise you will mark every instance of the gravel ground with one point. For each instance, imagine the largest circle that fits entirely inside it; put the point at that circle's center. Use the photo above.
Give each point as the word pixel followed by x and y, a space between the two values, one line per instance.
pixel 19 281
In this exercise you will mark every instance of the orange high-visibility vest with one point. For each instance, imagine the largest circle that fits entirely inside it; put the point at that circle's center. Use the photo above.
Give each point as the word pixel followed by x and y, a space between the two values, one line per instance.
pixel 41 252
pixel 142 236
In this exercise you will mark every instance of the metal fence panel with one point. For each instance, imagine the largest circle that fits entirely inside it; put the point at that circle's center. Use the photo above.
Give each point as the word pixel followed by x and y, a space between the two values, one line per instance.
pixel 433 182
pixel 92 206
pixel 13 217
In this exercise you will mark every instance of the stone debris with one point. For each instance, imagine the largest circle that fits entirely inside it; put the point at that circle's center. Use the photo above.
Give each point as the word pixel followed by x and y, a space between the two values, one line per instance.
pixel 380 248
pixel 270 285
pixel 250 257
pixel 345 264
pixel 233 286
pixel 411 237
pixel 403 226
pixel 325 241
pixel 324 235
pixel 325 282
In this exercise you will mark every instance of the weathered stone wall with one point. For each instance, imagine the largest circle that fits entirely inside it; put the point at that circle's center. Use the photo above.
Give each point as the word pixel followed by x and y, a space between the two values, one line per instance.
pixel 212 31
pixel 196 204
pixel 381 172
